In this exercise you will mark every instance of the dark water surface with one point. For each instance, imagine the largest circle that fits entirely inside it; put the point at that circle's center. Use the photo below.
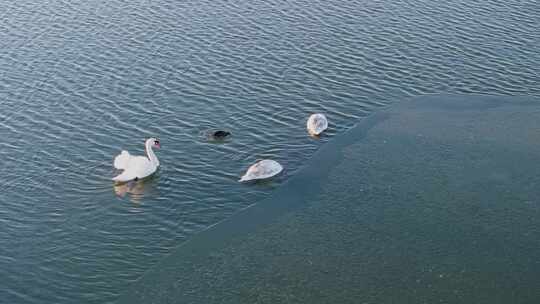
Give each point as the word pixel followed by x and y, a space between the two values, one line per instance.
pixel 81 80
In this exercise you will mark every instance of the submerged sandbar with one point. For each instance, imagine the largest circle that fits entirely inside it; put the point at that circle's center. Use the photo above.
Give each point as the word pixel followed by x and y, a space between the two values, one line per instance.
pixel 435 199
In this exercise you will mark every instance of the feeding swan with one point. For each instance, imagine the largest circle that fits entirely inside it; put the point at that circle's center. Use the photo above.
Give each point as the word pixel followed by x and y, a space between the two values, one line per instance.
pixel 262 169
pixel 316 124
pixel 137 167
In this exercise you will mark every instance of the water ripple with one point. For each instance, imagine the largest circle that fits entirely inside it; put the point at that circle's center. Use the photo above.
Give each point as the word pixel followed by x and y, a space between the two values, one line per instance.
pixel 83 80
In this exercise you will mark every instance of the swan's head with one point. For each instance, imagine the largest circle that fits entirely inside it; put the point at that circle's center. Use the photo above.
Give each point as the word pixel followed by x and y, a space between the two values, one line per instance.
pixel 153 142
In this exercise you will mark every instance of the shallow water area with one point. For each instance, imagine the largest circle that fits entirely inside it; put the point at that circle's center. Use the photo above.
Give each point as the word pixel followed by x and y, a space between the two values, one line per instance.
pixel 432 200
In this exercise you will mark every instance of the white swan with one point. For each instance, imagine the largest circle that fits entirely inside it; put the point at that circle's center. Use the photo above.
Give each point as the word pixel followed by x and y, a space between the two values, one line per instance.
pixel 265 168
pixel 137 167
pixel 316 124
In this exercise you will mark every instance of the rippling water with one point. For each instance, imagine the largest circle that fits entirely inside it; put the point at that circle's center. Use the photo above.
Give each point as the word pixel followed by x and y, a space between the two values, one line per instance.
pixel 82 80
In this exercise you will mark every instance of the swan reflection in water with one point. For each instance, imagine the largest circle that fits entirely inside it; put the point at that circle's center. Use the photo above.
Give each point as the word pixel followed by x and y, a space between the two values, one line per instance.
pixel 136 190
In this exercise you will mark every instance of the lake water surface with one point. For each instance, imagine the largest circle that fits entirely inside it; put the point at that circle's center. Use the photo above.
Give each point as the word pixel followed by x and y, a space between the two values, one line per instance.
pixel 432 200
pixel 82 80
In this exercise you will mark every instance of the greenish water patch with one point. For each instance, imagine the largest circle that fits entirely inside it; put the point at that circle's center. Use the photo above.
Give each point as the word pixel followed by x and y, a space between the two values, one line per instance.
pixel 432 200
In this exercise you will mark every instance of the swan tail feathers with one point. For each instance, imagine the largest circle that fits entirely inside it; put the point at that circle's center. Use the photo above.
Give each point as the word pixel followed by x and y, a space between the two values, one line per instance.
pixel 121 161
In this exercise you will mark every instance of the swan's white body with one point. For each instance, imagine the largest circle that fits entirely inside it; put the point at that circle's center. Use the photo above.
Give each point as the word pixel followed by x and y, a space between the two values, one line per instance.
pixel 316 124
pixel 137 167
pixel 262 169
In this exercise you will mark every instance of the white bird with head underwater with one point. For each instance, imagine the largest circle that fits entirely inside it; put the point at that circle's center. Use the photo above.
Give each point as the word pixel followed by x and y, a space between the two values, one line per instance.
pixel 316 124
pixel 263 169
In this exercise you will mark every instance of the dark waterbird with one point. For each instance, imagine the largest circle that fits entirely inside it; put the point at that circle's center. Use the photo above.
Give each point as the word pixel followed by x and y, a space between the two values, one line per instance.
pixel 220 135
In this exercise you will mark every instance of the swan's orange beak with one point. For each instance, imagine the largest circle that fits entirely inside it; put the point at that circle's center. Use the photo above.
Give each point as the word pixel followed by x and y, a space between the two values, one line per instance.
pixel 158 145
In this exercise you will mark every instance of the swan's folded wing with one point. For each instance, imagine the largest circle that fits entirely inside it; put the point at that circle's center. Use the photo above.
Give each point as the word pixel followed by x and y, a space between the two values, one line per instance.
pixel 321 124
pixel 121 161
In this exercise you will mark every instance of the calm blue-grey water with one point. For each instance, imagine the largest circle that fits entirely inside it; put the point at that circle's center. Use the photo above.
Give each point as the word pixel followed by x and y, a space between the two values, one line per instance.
pixel 82 80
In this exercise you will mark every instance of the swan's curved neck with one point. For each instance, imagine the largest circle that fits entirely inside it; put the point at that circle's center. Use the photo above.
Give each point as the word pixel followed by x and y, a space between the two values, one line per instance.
pixel 151 155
